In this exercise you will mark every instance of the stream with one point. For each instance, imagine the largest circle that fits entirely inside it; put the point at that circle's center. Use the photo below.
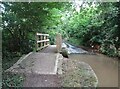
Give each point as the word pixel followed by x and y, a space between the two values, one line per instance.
pixel 106 68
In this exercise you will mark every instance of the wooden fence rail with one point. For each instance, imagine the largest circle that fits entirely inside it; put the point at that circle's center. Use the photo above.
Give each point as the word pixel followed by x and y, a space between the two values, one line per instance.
pixel 42 41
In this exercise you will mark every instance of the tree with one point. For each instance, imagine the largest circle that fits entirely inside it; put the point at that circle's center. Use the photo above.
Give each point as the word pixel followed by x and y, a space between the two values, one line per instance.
pixel 21 20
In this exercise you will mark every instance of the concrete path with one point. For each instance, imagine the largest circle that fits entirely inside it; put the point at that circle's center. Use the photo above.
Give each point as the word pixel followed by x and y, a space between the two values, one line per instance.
pixel 44 70
pixel 43 63
pixel 49 49
pixel 35 80
pixel 37 63
pixel 40 68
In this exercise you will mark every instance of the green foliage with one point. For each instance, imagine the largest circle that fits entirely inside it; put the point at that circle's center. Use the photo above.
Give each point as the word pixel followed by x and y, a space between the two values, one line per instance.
pixel 95 23
pixel 12 80
pixel 22 20
pixel 9 59
pixel 9 79
pixel 74 41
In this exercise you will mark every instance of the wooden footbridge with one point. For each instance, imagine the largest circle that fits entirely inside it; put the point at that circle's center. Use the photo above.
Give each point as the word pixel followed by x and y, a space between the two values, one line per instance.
pixel 46 59
pixel 42 41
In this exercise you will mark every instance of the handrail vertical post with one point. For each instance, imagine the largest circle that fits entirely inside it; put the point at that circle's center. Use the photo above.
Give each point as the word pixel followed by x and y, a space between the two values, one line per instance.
pixel 42 42
pixel 36 37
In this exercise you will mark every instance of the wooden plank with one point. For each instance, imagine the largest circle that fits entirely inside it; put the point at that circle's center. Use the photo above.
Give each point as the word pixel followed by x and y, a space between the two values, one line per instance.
pixel 42 41
pixel 40 34
pixel 36 41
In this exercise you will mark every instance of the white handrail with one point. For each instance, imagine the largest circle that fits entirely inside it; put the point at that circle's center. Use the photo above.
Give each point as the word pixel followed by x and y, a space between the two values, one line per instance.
pixel 40 34
pixel 42 41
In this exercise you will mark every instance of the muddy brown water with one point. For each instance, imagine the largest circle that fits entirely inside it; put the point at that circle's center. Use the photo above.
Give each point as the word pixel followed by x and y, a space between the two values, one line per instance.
pixel 104 67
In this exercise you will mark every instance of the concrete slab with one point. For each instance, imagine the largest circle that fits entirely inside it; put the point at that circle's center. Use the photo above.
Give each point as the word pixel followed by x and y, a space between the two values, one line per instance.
pixel 37 63
pixel 49 49
pixel 44 63
pixel 39 80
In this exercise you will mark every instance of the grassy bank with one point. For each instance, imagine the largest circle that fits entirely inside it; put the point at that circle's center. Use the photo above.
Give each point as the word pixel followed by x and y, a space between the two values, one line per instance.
pixel 11 79
pixel 77 74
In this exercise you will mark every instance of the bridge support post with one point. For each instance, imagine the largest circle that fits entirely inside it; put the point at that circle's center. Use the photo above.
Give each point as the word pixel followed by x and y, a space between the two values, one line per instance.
pixel 58 42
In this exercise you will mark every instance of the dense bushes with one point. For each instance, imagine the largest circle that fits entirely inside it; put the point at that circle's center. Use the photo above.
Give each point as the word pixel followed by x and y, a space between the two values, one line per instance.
pixel 93 24
pixel 96 26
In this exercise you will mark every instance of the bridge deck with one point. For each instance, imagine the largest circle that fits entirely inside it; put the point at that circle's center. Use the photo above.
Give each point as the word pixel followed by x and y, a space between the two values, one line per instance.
pixel 49 49
pixel 42 62
pixel 38 63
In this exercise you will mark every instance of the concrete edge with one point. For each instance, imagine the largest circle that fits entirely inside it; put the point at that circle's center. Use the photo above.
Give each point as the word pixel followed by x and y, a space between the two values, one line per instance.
pixel 96 85
pixel 18 62
pixel 58 62
pixel 95 76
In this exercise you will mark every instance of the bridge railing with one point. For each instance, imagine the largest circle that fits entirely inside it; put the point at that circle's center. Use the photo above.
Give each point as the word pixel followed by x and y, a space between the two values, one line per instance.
pixel 42 41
